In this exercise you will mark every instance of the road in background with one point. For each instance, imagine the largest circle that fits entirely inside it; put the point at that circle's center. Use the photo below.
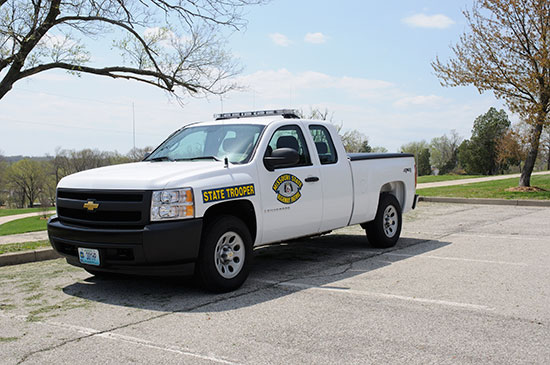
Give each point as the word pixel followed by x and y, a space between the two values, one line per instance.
pixel 474 180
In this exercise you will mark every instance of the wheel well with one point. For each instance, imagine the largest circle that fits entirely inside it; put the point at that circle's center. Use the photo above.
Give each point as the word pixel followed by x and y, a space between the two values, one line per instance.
pixel 397 189
pixel 242 209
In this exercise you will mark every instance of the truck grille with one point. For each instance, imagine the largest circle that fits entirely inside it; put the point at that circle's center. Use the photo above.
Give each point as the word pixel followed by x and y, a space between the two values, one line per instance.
pixel 108 208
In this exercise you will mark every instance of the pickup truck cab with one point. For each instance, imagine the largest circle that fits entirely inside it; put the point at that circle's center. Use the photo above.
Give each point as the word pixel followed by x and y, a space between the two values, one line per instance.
pixel 212 191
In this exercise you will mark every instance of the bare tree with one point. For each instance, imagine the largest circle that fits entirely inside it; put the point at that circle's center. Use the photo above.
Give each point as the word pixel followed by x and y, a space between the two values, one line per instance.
pixel 26 177
pixel 171 44
pixel 444 152
pixel 507 51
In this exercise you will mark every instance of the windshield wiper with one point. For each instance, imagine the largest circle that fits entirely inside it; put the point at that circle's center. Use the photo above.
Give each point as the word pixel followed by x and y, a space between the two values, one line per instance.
pixel 161 158
pixel 198 158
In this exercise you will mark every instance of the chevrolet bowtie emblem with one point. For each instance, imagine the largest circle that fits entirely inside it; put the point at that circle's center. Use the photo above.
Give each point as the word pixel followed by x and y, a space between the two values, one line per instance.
pixel 91 205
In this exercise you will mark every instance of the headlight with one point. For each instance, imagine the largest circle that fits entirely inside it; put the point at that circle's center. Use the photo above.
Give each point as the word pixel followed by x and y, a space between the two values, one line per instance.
pixel 172 204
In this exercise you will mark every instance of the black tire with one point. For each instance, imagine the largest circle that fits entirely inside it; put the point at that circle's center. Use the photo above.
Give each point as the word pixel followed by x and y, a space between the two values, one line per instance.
pixel 225 254
pixel 385 229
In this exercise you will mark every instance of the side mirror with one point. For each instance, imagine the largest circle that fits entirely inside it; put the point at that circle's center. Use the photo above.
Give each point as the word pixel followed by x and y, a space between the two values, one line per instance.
pixel 281 157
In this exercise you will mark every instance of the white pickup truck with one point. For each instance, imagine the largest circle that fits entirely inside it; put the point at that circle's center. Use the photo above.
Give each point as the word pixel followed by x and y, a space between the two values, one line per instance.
pixel 212 191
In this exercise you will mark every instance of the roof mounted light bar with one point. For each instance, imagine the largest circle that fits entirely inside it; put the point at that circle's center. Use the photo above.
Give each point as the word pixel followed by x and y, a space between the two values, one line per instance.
pixel 286 113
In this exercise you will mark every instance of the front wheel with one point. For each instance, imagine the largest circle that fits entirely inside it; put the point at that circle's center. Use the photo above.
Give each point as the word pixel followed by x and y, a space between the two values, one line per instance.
pixel 225 254
pixel 385 229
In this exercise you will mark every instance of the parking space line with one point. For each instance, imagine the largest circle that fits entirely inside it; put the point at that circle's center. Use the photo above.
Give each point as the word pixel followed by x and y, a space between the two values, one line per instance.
pixel 456 259
pixel 500 236
pixel 354 292
pixel 90 332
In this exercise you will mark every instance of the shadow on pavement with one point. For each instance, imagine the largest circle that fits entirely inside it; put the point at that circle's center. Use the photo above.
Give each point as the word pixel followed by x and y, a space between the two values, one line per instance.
pixel 322 260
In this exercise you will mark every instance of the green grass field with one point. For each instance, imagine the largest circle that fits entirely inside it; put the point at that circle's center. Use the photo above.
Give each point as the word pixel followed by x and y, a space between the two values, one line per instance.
pixel 492 189
pixel 6 212
pixel 23 225
pixel 27 246
pixel 434 178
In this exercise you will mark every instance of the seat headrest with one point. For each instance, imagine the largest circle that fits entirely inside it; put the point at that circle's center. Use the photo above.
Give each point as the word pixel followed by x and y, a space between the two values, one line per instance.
pixel 322 147
pixel 288 142
pixel 230 145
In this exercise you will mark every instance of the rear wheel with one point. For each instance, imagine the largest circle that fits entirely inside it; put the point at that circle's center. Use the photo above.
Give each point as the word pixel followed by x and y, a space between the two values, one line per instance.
pixel 225 254
pixel 385 229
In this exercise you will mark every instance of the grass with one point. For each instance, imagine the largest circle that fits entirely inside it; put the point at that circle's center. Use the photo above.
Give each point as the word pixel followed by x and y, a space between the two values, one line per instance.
pixel 8 339
pixel 27 246
pixel 492 189
pixel 437 178
pixel 6 212
pixel 23 225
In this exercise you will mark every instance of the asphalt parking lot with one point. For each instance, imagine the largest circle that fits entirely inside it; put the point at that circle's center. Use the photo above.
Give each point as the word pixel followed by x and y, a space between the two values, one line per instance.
pixel 465 284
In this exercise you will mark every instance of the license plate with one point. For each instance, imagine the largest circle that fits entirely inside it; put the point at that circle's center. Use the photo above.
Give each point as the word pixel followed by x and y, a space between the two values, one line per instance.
pixel 88 256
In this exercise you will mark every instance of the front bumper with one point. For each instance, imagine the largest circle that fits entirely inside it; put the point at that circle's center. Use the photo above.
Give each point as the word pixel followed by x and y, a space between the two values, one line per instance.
pixel 167 248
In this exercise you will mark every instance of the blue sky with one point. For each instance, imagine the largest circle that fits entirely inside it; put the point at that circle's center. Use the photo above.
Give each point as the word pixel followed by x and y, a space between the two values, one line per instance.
pixel 368 62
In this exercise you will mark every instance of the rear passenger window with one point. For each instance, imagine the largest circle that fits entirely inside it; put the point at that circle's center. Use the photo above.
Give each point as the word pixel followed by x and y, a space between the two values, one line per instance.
pixel 323 144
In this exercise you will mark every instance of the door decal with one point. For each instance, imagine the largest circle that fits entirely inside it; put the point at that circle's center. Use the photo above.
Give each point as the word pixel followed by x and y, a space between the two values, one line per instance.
pixel 287 187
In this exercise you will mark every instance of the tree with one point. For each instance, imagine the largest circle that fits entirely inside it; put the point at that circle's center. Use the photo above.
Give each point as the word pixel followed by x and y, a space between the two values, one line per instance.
pixel 424 167
pixel 507 51
pixel 171 44
pixel 421 153
pixel 27 178
pixel 510 148
pixel 3 190
pixel 479 154
pixel 378 149
pixel 137 154
pixel 355 141
pixel 444 152
pixel 545 146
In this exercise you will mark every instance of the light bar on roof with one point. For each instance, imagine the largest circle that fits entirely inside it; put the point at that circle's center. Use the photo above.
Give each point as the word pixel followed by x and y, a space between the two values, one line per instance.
pixel 287 113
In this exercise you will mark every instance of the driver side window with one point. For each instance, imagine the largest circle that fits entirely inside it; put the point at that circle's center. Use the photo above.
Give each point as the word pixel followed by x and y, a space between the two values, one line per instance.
pixel 290 136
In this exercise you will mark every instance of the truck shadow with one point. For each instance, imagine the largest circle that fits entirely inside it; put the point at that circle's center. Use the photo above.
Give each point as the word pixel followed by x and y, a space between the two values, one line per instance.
pixel 278 270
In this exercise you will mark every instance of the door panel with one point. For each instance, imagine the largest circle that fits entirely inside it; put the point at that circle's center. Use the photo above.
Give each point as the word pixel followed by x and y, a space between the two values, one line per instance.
pixel 292 206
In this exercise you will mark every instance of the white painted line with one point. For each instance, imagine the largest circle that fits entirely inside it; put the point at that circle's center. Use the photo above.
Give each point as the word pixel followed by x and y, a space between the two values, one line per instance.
pixel 379 295
pixel 173 349
pixel 122 338
pixel 501 236
pixel 457 259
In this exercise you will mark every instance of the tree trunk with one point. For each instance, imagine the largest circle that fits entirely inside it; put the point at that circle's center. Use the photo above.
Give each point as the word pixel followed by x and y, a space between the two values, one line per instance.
pixel 548 157
pixel 6 85
pixel 525 179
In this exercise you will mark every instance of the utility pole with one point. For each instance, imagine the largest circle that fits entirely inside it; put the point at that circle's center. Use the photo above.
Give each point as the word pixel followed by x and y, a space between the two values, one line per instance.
pixel 134 123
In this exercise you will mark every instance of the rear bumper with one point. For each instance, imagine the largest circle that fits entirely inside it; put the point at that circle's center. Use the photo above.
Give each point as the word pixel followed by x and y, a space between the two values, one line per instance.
pixel 167 248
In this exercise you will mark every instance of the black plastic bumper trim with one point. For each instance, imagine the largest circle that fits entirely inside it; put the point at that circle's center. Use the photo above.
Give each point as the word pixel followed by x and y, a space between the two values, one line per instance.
pixel 156 249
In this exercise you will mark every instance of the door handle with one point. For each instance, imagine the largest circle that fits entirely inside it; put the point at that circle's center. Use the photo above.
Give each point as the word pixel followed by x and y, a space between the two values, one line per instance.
pixel 312 179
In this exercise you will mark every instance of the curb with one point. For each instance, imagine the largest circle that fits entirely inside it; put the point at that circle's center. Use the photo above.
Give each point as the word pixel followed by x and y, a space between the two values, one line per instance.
pixel 517 202
pixel 15 258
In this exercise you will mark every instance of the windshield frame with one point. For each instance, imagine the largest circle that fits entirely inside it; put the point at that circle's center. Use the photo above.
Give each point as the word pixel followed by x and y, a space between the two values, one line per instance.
pixel 153 155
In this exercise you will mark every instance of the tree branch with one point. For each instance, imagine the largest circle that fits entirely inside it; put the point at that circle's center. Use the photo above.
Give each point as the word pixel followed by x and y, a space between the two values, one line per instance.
pixel 114 72
pixel 148 50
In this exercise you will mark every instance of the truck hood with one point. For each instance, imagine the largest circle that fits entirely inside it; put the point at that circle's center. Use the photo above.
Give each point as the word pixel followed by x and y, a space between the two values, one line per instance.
pixel 143 175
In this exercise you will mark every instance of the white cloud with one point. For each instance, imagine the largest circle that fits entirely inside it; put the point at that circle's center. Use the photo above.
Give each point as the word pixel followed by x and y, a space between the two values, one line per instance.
pixel 280 39
pixel 166 36
pixel 420 100
pixel 274 84
pixel 438 21
pixel 315 38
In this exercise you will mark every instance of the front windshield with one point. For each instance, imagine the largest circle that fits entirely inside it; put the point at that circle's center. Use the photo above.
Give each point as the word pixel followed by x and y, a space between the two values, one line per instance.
pixel 236 142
